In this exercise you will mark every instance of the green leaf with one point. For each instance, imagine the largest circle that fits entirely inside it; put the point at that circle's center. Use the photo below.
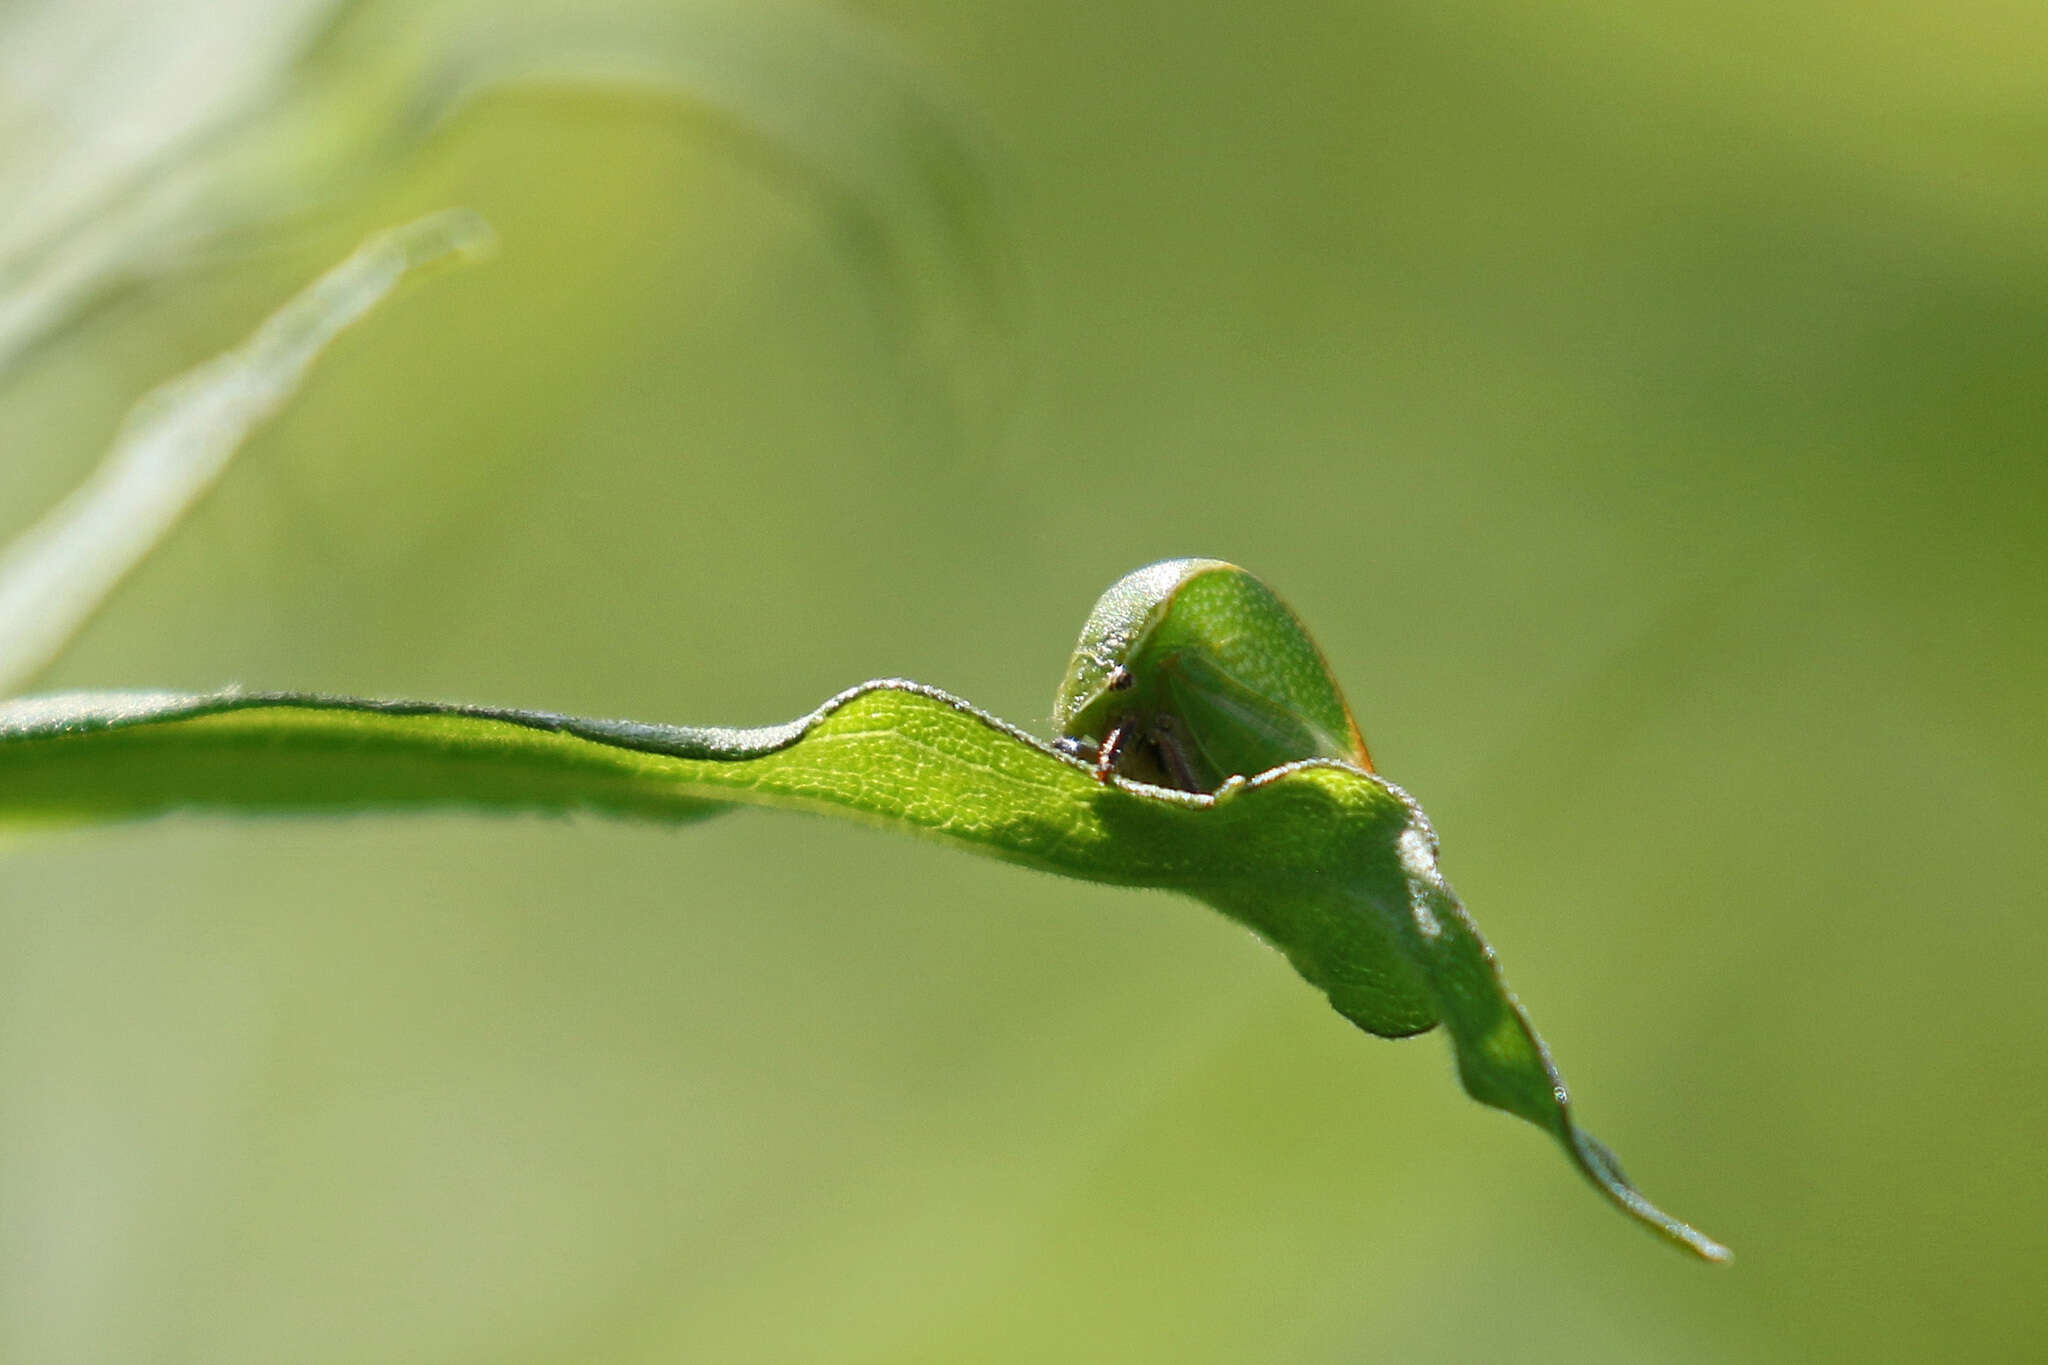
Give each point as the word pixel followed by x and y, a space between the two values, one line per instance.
pixel 1335 867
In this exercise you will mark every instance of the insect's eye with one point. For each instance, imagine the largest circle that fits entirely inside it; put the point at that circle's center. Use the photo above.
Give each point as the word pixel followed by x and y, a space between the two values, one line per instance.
pixel 1122 681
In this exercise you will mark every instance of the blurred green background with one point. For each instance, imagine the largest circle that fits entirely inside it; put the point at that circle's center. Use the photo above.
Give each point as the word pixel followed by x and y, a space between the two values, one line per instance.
pixel 1643 404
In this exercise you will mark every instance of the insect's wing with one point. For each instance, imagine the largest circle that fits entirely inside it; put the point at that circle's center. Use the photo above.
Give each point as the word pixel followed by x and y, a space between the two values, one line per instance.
pixel 1232 728
pixel 1222 620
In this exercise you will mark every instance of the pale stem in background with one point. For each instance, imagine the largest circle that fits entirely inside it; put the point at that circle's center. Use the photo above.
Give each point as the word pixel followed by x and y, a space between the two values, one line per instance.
pixel 180 438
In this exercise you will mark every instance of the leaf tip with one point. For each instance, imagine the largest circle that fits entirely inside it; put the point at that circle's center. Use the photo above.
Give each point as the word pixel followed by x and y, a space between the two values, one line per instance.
pixel 458 232
pixel 1600 1166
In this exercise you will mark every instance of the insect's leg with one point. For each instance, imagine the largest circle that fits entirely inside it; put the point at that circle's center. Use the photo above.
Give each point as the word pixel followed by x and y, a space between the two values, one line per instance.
pixel 1083 749
pixel 1173 754
pixel 1111 750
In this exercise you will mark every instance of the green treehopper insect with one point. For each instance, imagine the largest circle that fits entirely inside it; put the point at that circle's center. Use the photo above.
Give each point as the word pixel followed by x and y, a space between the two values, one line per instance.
pixel 1190 672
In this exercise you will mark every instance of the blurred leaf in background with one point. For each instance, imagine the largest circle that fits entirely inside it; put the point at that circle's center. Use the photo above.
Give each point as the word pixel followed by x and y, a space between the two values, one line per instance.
pixel 1644 405
pixel 149 143
pixel 181 437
